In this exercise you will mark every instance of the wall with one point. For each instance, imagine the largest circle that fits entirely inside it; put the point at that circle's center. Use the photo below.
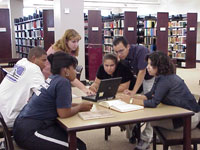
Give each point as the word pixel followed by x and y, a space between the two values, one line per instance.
pixel 72 20
pixel 16 11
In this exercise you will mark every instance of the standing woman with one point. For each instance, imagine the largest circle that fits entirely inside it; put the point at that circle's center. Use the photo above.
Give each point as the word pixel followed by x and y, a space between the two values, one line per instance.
pixel 111 68
pixel 36 127
pixel 69 44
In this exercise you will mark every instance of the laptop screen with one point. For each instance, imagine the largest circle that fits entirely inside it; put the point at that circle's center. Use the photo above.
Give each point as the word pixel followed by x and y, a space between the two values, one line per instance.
pixel 107 89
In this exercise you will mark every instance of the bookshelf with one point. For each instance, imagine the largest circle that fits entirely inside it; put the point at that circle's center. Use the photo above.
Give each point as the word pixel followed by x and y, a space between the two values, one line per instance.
pixel 5 34
pixel 113 28
pixel 150 23
pixel 146 31
pixel 182 34
pixel 162 32
pixel 119 25
pixel 34 30
pixel 93 51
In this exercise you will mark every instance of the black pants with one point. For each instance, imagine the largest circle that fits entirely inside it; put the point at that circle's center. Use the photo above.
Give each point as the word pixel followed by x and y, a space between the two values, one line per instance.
pixel 34 134
pixel 132 84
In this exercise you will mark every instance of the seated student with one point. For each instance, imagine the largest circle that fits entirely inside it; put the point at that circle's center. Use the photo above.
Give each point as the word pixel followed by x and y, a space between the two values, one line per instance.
pixel 111 68
pixel 19 84
pixel 168 89
pixel 35 128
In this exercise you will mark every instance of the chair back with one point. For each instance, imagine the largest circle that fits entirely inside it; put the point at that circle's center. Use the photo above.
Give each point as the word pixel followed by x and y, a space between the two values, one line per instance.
pixel 7 137
pixel 79 69
pixel 2 74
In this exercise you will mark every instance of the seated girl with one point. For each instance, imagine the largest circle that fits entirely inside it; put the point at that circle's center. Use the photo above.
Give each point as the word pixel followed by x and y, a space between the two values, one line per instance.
pixel 111 68
pixel 36 127
pixel 168 89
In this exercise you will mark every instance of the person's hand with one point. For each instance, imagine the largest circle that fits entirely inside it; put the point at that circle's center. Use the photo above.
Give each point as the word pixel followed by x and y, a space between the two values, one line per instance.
pixel 128 92
pixel 88 91
pixel 124 97
pixel 85 106
pixel 93 89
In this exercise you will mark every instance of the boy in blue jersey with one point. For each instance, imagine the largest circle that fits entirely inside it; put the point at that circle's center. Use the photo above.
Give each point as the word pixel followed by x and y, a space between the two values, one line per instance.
pixel 35 128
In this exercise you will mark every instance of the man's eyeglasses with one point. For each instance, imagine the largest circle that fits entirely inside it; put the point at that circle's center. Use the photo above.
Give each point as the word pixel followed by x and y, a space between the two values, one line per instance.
pixel 119 51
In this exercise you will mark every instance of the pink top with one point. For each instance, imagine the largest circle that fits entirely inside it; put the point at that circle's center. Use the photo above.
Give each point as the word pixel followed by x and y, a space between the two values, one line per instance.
pixel 47 69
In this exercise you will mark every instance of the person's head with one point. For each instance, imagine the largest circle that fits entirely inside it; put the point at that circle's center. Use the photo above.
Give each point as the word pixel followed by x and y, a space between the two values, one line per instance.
pixel 109 63
pixel 159 64
pixel 63 64
pixel 69 42
pixel 38 56
pixel 121 47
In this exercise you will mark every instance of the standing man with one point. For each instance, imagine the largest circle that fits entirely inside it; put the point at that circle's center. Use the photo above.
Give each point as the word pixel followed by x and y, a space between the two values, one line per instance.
pixel 134 57
pixel 19 84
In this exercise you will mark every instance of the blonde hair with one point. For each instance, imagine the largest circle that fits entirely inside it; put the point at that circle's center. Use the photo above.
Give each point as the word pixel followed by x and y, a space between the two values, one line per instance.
pixel 61 43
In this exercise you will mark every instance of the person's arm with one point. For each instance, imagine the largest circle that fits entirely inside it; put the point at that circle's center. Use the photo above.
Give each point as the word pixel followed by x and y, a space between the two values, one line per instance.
pixel 123 86
pixel 68 112
pixel 139 80
pixel 95 85
pixel 81 86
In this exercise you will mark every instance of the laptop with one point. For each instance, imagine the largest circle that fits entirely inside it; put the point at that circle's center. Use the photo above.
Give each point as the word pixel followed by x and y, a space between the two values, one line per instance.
pixel 107 90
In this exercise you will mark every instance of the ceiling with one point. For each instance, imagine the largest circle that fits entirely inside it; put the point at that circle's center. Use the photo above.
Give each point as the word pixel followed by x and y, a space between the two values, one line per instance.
pixel 88 4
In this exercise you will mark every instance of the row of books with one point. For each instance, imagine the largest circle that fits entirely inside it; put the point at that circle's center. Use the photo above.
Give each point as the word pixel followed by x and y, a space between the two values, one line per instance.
pixel 179 39
pixel 178 55
pixel 177 32
pixel 21 49
pixel 149 40
pixel 172 24
pixel 30 34
pixel 29 25
pixel 150 32
pixel 114 24
pixel 149 24
pixel 107 48
pixel 30 42
pixel 176 47
pixel 108 41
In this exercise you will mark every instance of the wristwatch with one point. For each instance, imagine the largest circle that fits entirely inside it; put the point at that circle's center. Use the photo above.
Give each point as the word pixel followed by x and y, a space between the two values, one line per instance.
pixel 131 101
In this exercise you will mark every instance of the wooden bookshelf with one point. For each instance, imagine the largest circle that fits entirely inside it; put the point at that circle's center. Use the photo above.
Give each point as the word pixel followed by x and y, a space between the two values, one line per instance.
pixel 113 28
pixel 182 39
pixel 93 51
pixel 162 32
pixel 5 34
pixel 34 30
pixel 130 27
pixel 146 31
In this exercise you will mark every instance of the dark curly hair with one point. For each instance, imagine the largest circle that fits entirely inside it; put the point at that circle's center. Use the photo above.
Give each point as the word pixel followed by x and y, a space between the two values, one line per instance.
pixel 163 63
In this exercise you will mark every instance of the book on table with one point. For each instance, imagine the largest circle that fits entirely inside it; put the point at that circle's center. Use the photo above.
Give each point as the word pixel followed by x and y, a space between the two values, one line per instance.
pixel 97 114
pixel 120 105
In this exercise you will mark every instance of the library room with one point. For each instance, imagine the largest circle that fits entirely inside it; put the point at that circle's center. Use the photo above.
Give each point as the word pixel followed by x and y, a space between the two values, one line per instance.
pixel 99 75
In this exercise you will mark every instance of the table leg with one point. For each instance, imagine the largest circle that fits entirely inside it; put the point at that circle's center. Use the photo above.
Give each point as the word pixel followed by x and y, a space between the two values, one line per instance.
pixel 72 140
pixel 187 133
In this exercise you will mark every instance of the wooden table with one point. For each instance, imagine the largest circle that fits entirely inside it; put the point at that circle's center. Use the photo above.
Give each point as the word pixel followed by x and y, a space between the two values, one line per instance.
pixel 75 123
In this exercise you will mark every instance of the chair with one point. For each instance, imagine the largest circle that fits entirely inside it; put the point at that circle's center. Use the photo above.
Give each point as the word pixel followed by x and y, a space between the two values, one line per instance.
pixel 2 74
pixel 79 70
pixel 6 134
pixel 169 138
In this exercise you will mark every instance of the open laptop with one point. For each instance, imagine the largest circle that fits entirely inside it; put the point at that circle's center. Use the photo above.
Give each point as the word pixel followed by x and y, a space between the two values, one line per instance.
pixel 107 90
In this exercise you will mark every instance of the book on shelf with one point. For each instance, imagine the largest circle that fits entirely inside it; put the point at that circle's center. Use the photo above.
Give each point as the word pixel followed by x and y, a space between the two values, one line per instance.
pixel 97 114
pixel 120 105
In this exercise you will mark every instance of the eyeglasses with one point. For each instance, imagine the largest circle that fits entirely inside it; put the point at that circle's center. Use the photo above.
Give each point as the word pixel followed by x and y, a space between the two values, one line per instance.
pixel 119 51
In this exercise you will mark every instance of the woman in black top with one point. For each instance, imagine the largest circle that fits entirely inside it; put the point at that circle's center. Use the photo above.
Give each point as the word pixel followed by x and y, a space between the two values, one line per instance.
pixel 111 68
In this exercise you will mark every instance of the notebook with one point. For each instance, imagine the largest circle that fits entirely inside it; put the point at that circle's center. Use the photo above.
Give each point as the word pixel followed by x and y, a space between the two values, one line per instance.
pixel 107 90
